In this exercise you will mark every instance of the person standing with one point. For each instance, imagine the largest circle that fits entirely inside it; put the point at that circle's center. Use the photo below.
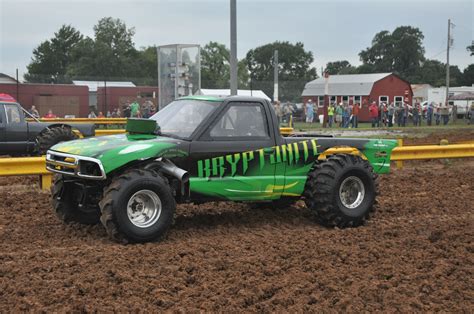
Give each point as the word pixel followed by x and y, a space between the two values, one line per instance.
pixel 429 113
pixel 405 111
pixel 345 115
pixel 339 110
pixel 391 113
pixel 355 115
pixel 437 114
pixel 331 114
pixel 471 120
pixel 380 117
pixel 34 112
pixel 135 110
pixel 374 114
pixel 278 111
pixel 126 110
pixel 309 111
pixel 92 115
pixel 445 114
pixel 416 114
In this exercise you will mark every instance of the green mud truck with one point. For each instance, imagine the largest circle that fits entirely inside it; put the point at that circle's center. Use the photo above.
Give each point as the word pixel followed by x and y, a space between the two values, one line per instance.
pixel 199 149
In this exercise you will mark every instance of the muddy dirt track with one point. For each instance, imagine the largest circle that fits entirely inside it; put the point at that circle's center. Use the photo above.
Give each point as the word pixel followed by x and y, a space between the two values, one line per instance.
pixel 416 254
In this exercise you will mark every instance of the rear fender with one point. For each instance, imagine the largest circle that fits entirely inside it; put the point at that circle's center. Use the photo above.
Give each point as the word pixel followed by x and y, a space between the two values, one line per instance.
pixel 376 152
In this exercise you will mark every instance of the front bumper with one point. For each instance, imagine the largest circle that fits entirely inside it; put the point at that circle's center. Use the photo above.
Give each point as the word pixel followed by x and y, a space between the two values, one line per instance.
pixel 73 165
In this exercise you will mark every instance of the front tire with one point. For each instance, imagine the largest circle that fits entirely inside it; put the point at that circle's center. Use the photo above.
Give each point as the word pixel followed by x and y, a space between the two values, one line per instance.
pixel 341 191
pixel 137 206
pixel 53 136
pixel 68 205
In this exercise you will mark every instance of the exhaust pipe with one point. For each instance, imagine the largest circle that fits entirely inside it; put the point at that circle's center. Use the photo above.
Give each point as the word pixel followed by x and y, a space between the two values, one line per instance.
pixel 169 168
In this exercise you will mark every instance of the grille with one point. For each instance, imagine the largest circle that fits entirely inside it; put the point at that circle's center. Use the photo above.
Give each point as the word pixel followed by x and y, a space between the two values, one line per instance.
pixel 78 166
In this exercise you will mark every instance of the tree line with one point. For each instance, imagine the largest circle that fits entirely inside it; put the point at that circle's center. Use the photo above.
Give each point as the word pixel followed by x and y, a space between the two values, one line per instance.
pixel 111 55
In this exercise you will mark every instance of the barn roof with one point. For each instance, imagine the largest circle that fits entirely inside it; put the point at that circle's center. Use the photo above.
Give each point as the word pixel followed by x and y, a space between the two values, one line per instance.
pixel 6 79
pixel 346 84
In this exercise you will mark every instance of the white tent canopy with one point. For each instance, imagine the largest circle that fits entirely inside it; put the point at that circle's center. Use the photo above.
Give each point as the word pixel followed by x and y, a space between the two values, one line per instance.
pixel 226 92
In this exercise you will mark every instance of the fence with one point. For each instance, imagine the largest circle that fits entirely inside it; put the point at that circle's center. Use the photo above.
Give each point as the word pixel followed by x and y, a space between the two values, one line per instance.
pixel 36 165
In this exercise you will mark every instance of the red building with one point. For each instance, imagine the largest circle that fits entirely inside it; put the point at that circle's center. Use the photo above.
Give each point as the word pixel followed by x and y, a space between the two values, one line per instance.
pixel 359 88
pixel 109 98
pixel 62 99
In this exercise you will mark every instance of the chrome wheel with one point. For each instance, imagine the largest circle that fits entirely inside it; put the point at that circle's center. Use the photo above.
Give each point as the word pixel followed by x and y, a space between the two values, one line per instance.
pixel 144 208
pixel 351 192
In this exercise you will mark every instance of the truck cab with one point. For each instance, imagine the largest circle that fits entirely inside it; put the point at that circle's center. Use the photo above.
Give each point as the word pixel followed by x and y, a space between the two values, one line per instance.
pixel 19 136
pixel 14 134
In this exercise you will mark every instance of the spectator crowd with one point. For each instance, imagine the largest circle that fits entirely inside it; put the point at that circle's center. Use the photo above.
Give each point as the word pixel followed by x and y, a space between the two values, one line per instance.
pixel 129 110
pixel 345 115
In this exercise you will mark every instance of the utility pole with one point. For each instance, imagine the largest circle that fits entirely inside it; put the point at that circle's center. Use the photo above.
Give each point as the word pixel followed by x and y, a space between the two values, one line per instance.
pixel 449 44
pixel 105 96
pixel 17 87
pixel 326 99
pixel 275 75
pixel 233 47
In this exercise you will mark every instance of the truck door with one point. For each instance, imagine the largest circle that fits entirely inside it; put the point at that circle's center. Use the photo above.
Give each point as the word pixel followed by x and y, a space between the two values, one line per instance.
pixel 14 130
pixel 230 159
pixel 2 129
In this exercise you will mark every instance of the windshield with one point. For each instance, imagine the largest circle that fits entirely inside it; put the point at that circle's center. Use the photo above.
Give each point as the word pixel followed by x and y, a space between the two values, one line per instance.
pixel 182 117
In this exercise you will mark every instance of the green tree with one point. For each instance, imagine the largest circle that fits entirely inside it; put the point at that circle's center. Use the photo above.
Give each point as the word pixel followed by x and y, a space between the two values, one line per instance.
pixel 52 58
pixel 243 74
pixel 148 63
pixel 471 48
pixel 110 55
pixel 294 69
pixel 431 72
pixel 401 51
pixel 215 67
pixel 468 75
pixel 455 75
pixel 340 67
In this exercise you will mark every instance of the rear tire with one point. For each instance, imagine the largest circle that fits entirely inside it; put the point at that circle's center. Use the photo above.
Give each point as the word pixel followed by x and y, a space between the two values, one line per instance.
pixel 53 136
pixel 66 199
pixel 137 206
pixel 341 191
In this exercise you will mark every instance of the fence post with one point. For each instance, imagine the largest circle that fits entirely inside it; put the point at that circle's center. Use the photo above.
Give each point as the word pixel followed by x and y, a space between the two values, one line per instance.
pixel 399 163
pixel 45 182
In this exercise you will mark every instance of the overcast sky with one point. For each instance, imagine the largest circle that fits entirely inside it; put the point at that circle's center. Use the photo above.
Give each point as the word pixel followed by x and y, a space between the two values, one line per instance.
pixel 331 29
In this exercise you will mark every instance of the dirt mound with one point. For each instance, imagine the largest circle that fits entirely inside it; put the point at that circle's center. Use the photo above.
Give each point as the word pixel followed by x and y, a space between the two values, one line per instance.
pixel 416 254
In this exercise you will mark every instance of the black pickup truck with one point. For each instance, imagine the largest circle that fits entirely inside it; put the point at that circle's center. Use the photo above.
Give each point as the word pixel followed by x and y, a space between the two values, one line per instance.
pixel 19 137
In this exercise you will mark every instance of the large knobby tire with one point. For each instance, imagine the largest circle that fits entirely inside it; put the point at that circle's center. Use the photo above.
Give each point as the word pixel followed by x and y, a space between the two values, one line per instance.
pixel 138 206
pixel 66 198
pixel 52 136
pixel 341 191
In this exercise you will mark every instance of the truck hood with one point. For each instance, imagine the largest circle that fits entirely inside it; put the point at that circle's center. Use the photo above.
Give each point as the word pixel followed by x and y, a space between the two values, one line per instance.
pixel 116 150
